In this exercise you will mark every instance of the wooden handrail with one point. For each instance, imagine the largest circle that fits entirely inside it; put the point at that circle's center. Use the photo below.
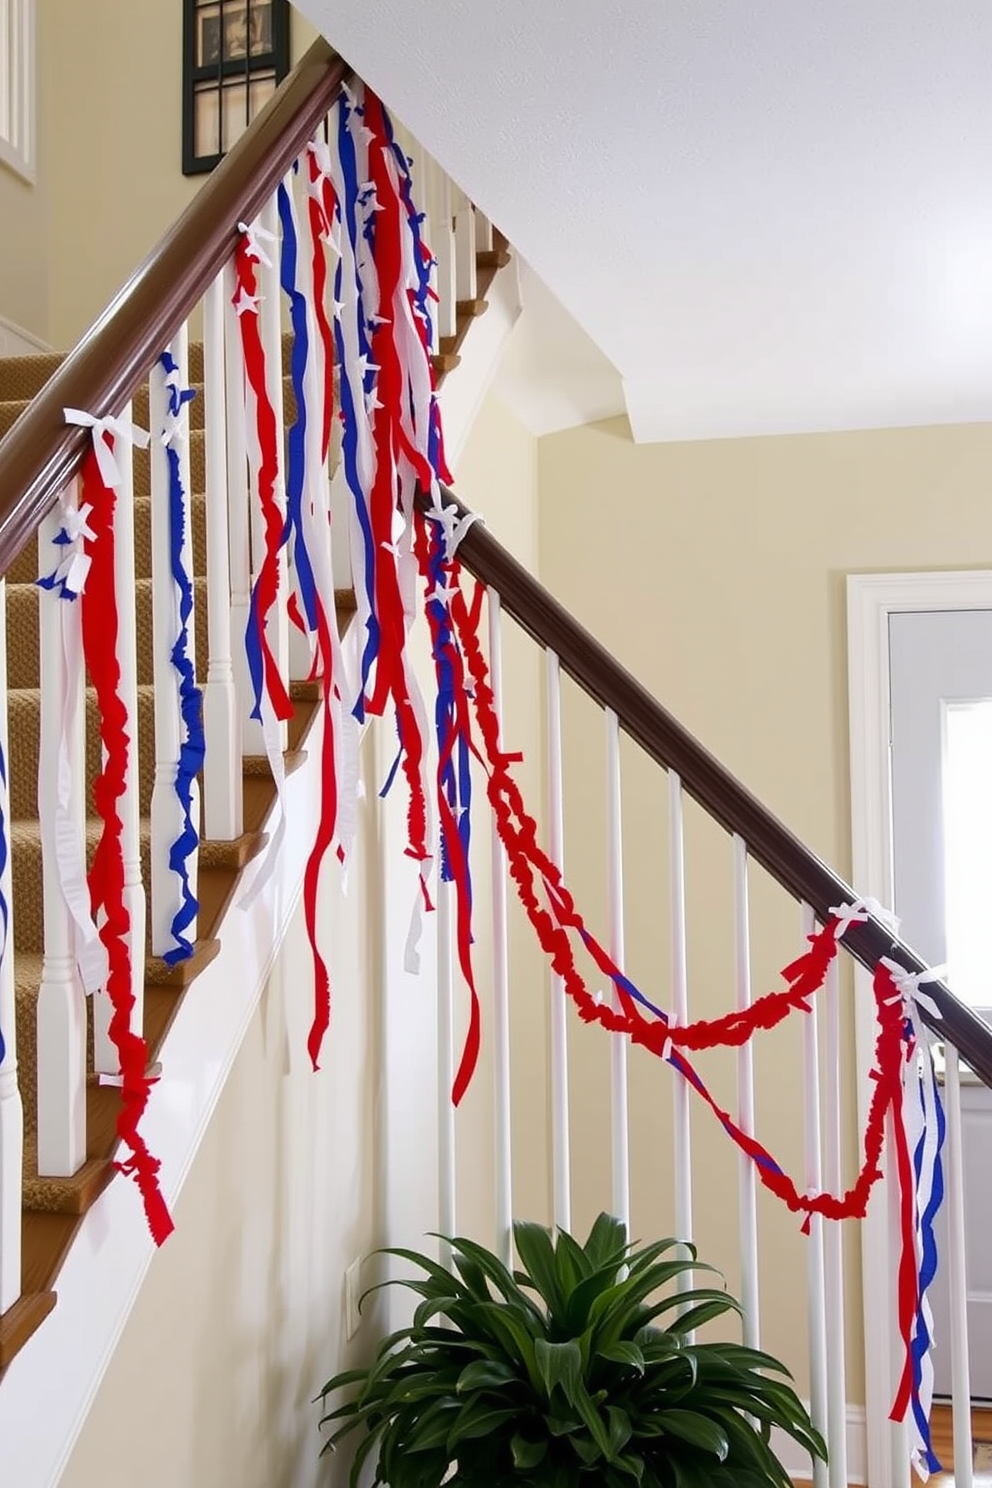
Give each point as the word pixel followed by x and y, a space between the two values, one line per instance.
pixel 661 736
pixel 41 454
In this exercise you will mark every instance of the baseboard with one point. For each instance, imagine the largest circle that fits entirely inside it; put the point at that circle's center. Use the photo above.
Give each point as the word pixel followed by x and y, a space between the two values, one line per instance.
pixel 16 341
pixel 49 1387
pixel 798 1466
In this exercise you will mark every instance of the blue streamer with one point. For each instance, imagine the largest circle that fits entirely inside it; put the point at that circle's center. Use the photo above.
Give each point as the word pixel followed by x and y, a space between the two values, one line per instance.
pixel 297 455
pixel 922 1341
pixel 453 745
pixel 192 748
pixel 348 208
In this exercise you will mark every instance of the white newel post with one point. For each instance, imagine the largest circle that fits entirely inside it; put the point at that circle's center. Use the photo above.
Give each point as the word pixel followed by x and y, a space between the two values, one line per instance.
pixel 11 1107
pixel 61 1000
pixel 105 1057
pixel 166 811
pixel 238 508
pixel 223 795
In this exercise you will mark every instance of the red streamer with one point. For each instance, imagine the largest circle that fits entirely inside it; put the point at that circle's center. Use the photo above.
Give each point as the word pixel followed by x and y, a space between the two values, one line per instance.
pixel 106 876
pixel 267 584
pixel 527 861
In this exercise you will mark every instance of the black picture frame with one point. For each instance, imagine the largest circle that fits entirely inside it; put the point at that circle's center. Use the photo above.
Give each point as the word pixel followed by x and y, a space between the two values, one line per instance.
pixel 235 54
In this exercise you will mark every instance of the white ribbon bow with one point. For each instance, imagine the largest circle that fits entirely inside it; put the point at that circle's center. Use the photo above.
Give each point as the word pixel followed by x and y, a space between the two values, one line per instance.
pixel 117 428
pixel 455 527
pixel 908 986
pixel 860 911
pixel 256 235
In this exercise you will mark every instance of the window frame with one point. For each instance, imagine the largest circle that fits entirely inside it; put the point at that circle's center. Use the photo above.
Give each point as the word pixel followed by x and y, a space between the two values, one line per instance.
pixel 18 144
pixel 274 61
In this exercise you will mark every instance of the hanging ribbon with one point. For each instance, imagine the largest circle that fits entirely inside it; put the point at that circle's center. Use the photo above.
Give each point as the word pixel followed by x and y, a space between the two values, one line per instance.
pixel 925 1126
pixel 58 809
pixel 192 748
pixel 106 877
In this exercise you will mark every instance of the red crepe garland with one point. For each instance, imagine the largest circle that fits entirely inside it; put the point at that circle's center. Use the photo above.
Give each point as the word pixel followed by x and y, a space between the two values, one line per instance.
pixel 457 862
pixel 106 876
pixel 518 833
pixel 326 827
pixel 267 584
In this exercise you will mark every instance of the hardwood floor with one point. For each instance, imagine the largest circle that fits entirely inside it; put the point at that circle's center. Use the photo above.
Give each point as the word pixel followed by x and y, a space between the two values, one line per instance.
pixel 943 1445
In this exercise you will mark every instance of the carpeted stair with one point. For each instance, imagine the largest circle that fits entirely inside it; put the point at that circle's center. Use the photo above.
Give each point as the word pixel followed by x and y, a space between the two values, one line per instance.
pixel 53 1208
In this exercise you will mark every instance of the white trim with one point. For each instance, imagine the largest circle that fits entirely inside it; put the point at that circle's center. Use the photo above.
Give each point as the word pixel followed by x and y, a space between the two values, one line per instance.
pixel 871 599
pixel 49 1388
pixel 798 1465
pixel 18 147
pixel 16 341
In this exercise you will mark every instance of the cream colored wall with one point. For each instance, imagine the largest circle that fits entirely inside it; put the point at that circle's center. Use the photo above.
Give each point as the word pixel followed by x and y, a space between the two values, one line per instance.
pixel 114 126
pixel 24 213
pixel 716 573
pixel 239 1322
pixel 497 475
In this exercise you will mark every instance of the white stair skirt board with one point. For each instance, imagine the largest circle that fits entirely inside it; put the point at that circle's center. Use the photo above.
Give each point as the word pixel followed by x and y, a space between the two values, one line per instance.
pixel 50 1386
pixel 797 1464
pixel 462 394
pixel 16 341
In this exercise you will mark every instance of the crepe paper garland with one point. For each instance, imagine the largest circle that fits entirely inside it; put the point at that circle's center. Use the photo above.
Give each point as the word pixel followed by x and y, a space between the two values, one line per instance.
pixel 106 877
pixel 192 746
pixel 896 1051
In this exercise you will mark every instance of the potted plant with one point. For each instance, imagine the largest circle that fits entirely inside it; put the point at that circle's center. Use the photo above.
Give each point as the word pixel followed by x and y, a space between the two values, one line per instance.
pixel 577 1370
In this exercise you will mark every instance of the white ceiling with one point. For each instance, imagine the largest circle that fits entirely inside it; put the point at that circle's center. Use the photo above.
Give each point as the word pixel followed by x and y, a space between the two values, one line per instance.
pixel 770 217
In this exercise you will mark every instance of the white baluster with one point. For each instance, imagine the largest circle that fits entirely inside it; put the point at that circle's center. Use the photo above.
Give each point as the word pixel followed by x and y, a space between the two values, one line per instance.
pixel 11 1107
pixel 483 233
pixel 957 1274
pixel 680 1017
pixel 106 1060
pixel 619 1132
pixel 446 1173
pixel 501 976
pixel 223 795
pixel 816 1302
pixel 166 812
pixel 61 1001
pixel 748 1200
pixel 443 247
pixel 560 1165
pixel 277 629
pixel 465 267
pixel 833 1239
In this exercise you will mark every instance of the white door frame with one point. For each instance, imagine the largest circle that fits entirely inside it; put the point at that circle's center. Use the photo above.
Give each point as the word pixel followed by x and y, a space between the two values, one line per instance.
pixel 871 599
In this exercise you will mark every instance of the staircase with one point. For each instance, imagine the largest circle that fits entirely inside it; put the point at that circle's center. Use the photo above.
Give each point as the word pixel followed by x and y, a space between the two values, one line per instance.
pixel 40 457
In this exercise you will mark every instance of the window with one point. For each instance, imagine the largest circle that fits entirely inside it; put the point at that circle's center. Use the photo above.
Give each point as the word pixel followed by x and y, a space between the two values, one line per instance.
pixel 968 848
pixel 235 53
pixel 17 86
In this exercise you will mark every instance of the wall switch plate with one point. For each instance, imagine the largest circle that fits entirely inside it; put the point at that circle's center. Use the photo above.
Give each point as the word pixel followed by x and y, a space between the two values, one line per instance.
pixel 352 1294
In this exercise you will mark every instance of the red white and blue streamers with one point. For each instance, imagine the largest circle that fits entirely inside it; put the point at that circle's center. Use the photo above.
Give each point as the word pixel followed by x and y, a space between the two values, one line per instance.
pixel 100 632
pixel 192 746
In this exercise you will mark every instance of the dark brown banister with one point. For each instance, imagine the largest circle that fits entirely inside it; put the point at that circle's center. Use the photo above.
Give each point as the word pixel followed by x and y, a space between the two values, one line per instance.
pixel 40 454
pixel 665 740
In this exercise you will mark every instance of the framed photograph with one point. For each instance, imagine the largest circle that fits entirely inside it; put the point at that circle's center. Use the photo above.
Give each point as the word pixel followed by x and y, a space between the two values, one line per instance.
pixel 235 54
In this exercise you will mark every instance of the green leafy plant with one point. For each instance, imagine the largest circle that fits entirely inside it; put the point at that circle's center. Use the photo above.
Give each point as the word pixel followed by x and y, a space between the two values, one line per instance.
pixel 561 1375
